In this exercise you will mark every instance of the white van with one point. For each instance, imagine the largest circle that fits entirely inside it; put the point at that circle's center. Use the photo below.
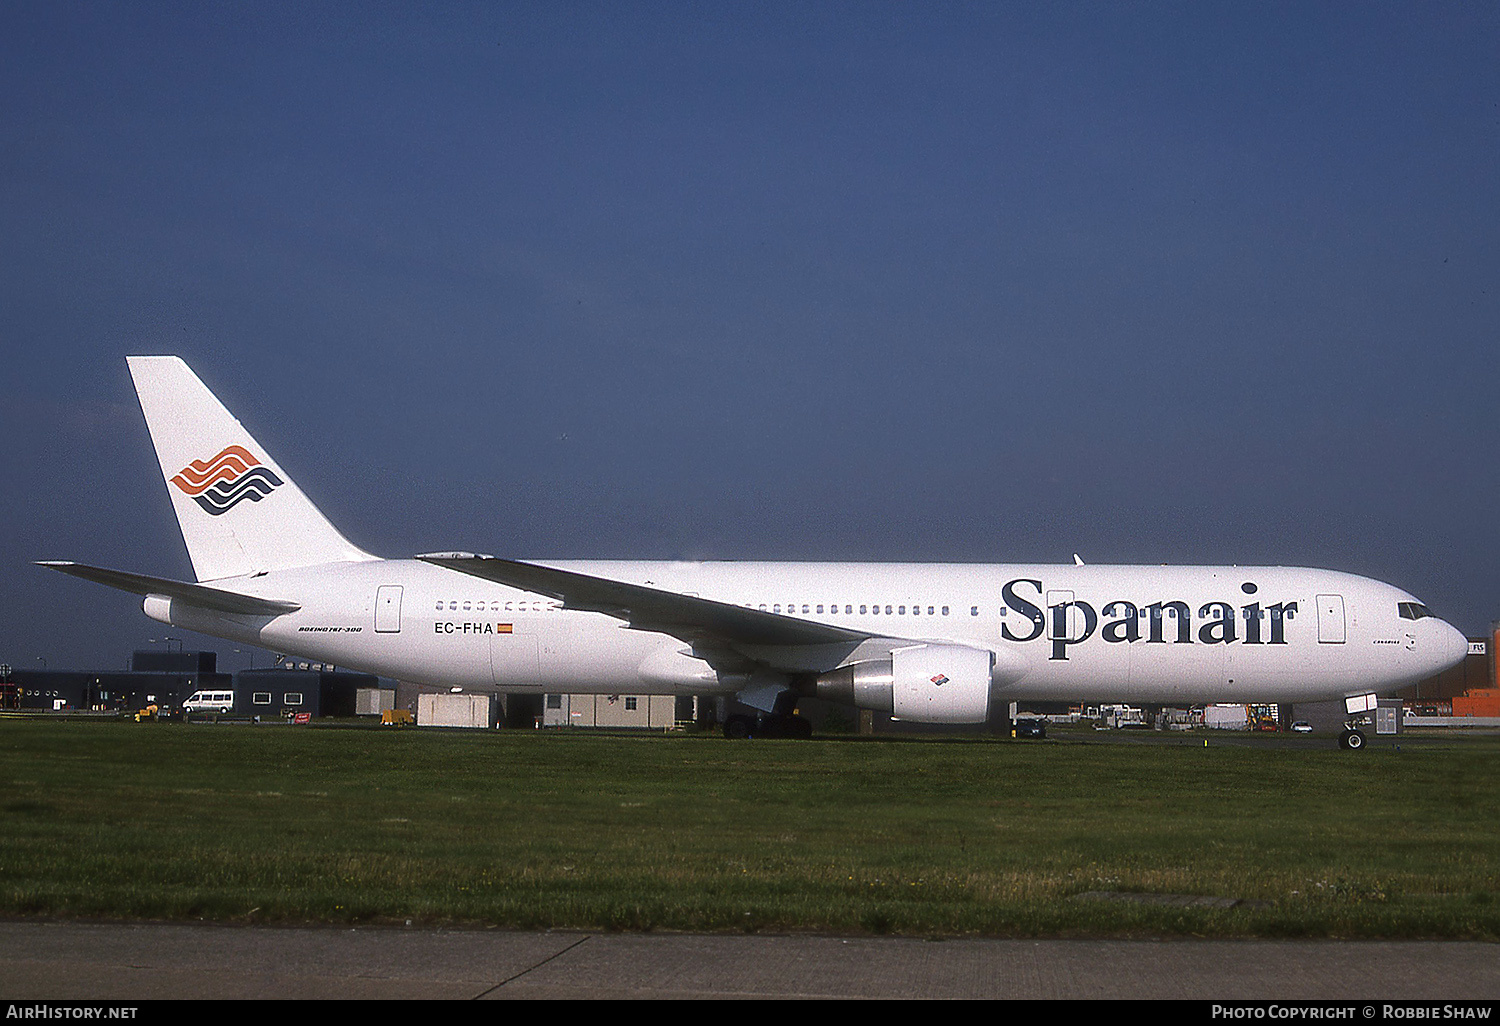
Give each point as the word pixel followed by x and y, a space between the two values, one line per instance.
pixel 209 702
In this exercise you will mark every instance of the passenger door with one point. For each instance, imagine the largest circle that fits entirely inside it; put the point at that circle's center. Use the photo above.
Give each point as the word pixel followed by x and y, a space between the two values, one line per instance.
pixel 1331 619
pixel 388 609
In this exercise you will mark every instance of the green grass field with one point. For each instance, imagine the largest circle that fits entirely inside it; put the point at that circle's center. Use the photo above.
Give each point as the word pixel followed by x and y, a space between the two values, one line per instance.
pixel 943 837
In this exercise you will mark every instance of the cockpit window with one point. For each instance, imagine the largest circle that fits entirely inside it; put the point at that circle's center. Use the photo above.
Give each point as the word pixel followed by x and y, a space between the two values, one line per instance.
pixel 1412 610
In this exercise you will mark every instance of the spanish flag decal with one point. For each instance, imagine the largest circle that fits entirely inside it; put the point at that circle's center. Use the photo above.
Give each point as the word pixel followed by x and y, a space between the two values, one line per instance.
pixel 502 628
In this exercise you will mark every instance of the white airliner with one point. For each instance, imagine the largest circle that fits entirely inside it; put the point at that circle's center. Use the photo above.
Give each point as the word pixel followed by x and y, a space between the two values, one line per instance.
pixel 924 642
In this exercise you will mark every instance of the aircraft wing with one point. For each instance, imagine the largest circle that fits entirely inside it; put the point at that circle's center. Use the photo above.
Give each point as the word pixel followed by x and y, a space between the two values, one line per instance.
pixel 687 617
pixel 196 594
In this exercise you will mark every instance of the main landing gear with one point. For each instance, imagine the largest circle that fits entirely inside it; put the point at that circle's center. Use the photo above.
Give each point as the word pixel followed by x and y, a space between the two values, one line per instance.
pixel 741 726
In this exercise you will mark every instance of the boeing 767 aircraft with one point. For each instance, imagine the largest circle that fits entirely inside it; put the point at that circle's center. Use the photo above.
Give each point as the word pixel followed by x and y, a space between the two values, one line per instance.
pixel 924 642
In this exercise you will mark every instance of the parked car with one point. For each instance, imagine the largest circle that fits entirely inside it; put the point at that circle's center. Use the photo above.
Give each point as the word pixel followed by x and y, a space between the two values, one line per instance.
pixel 1030 727
pixel 1302 727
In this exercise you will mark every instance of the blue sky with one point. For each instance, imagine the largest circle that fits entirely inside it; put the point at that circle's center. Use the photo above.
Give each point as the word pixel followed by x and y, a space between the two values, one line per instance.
pixel 1190 283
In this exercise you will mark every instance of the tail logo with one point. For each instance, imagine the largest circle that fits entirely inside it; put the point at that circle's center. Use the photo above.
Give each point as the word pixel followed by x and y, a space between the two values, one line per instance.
pixel 218 484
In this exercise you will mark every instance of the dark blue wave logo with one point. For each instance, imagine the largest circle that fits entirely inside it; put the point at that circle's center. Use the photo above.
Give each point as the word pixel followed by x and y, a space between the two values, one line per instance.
pixel 225 495
pixel 223 482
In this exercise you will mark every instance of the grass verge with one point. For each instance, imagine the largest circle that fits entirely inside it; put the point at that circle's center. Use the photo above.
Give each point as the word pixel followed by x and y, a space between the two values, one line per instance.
pixel 943 837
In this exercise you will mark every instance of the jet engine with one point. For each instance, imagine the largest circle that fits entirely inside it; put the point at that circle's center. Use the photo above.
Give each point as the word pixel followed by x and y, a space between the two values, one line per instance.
pixel 928 683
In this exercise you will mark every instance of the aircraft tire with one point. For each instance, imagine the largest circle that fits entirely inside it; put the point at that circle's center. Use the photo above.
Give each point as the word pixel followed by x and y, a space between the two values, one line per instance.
pixel 737 728
pixel 1352 740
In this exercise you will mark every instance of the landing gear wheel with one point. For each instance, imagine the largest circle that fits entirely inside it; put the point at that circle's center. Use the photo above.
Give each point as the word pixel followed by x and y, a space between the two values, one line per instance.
pixel 737 728
pixel 1352 740
pixel 793 727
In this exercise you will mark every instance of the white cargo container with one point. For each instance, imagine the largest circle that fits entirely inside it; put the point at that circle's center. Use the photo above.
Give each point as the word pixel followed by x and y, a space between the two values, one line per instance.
pixel 373 701
pixel 456 710
pixel 1226 717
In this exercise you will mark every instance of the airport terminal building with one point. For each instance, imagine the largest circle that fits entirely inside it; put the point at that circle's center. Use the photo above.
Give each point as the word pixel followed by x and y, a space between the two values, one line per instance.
pixel 167 680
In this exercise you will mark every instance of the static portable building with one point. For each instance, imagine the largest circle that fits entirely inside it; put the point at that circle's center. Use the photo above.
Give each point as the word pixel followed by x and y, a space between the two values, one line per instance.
pixel 651 711
pixel 461 710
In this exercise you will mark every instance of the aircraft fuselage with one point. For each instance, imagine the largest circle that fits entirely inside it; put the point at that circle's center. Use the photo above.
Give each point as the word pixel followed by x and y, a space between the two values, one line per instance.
pixel 1102 633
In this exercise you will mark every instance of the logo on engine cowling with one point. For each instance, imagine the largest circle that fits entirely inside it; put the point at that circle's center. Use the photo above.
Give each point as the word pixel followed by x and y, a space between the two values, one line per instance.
pixel 223 481
pixel 940 679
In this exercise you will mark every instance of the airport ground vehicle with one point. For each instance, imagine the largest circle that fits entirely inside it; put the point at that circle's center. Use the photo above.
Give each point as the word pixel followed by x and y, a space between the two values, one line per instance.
pixel 1029 726
pixel 221 702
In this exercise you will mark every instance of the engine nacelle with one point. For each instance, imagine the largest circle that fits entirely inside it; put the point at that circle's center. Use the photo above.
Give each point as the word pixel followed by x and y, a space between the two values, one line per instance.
pixel 920 683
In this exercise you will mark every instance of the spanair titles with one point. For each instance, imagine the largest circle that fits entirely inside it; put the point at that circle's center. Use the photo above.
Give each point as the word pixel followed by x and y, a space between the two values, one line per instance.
pixel 1067 620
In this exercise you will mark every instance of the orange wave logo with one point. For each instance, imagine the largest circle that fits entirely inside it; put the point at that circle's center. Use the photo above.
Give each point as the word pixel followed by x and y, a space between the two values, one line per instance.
pixel 220 483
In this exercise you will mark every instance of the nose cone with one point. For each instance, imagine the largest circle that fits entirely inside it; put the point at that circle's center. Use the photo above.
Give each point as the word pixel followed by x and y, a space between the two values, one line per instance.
pixel 1448 647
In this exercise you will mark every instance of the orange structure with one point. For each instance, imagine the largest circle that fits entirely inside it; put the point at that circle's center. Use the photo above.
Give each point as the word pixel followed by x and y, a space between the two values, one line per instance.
pixel 1477 702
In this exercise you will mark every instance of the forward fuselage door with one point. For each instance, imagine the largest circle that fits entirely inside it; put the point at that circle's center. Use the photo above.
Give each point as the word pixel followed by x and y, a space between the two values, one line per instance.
pixel 388 609
pixel 1064 618
pixel 1331 619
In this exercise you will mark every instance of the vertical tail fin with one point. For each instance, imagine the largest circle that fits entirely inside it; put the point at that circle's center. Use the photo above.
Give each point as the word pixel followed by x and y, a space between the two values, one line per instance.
pixel 239 512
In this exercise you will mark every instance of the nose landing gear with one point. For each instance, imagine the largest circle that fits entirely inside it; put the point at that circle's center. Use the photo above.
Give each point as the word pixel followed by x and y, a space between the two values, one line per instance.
pixel 1352 739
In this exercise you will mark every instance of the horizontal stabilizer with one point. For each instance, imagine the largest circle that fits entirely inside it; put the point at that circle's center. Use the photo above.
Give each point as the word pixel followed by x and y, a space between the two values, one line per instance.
pixel 195 594
pixel 682 616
